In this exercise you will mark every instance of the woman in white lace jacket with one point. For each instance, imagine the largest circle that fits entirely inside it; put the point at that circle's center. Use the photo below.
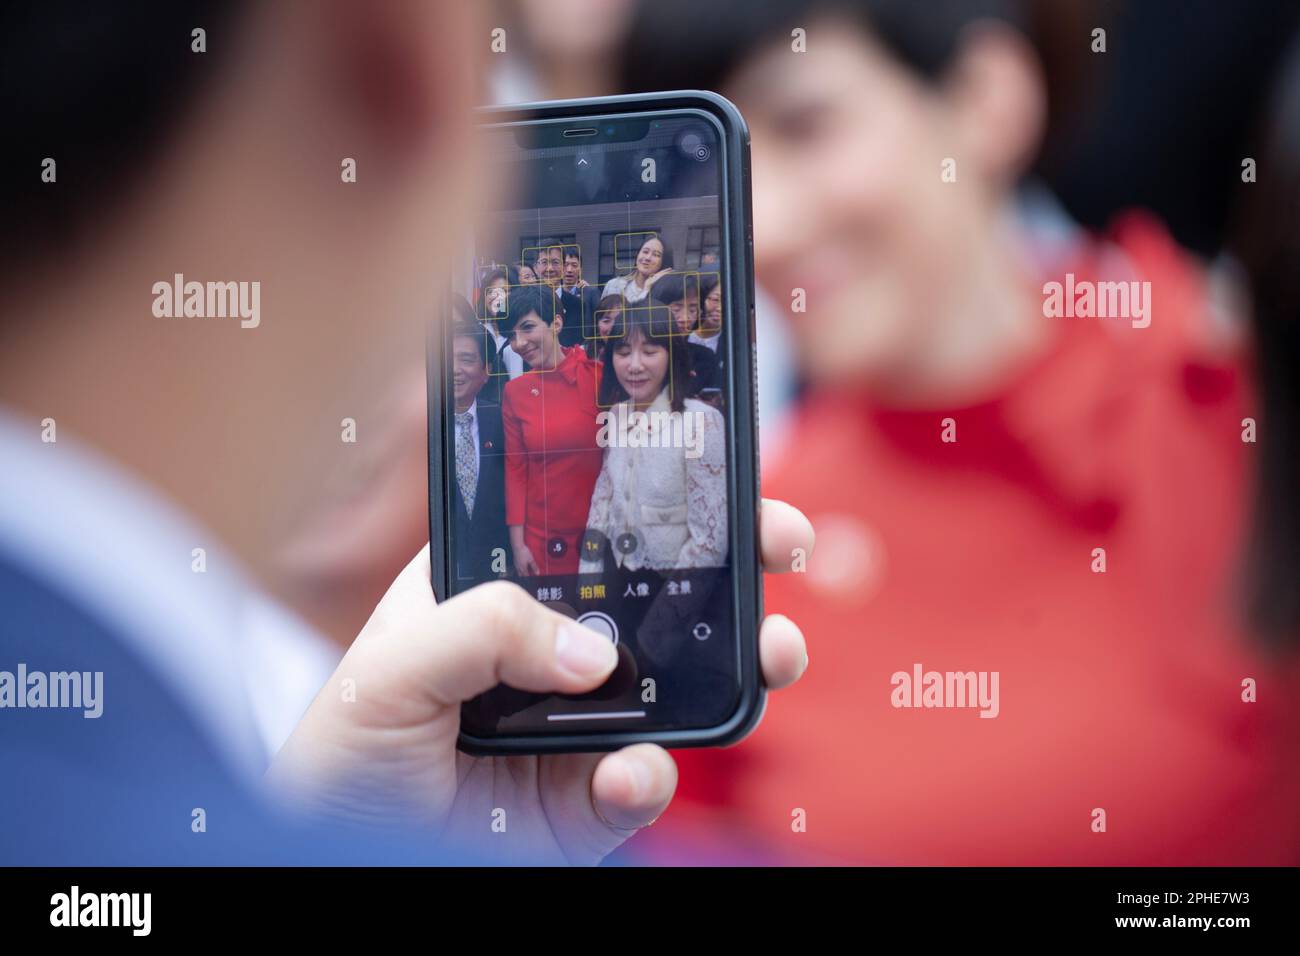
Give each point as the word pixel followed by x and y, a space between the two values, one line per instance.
pixel 660 499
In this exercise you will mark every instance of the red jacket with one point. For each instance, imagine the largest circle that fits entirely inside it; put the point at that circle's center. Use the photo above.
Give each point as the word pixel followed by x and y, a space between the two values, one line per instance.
pixel 1119 690
pixel 552 459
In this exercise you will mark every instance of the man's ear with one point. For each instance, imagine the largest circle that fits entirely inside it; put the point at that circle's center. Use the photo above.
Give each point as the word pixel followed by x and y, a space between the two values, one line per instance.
pixel 403 70
pixel 999 94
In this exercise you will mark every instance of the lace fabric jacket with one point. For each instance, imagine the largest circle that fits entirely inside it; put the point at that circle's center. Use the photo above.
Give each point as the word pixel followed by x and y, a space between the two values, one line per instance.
pixel 671 499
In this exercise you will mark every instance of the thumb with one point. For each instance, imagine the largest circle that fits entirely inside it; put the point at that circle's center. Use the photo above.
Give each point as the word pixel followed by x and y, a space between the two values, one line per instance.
pixel 492 634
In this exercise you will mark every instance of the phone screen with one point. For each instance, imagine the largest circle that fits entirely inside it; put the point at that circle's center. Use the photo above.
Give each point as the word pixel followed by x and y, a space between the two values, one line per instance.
pixel 587 391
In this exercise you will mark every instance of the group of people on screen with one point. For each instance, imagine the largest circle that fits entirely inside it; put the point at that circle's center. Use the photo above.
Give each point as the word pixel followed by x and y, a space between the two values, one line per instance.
pixel 587 426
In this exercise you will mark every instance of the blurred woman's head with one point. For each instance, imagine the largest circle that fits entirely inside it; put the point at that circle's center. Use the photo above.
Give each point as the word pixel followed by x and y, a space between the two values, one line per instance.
pixel 881 165
pixel 523 274
pixel 680 295
pixel 711 292
pixel 494 292
pixel 608 311
pixel 642 359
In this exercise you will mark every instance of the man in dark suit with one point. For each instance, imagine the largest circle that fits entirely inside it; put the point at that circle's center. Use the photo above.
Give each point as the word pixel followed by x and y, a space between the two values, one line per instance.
pixel 679 293
pixel 578 299
pixel 478 462
pixel 140 782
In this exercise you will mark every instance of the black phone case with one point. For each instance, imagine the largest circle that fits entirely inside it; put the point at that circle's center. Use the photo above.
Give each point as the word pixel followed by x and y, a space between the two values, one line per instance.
pixel 742 420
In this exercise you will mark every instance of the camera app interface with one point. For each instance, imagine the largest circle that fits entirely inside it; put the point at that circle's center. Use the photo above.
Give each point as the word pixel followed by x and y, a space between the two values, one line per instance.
pixel 586 436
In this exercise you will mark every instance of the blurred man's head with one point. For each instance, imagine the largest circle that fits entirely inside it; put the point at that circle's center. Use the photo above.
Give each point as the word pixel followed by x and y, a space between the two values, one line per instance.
pixel 549 264
pixel 711 314
pixel 320 149
pixel 680 294
pixel 883 155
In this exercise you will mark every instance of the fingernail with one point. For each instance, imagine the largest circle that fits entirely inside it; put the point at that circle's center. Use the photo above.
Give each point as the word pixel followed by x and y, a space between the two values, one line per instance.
pixel 640 774
pixel 583 652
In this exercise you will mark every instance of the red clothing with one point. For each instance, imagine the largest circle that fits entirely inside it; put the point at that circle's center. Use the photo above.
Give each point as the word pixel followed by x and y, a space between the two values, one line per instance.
pixel 1119 690
pixel 552 459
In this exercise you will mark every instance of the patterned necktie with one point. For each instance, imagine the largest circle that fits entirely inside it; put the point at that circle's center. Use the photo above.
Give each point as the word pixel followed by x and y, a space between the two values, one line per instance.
pixel 466 466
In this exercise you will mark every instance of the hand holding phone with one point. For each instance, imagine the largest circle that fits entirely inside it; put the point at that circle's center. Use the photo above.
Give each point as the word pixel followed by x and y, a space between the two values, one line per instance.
pixel 379 742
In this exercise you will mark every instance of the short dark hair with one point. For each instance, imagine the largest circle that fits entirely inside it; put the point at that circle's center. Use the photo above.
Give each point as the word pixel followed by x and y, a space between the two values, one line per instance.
pixel 677 287
pixel 124 78
pixel 487 346
pixel 572 250
pixel 653 325
pixel 924 37
pixel 606 304
pixel 490 275
pixel 660 55
pixel 485 341
pixel 462 311
pixel 545 245
pixel 539 299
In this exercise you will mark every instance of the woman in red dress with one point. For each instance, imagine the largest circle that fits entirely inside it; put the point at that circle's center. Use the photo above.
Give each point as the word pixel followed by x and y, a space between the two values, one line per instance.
pixel 549 418
pixel 996 487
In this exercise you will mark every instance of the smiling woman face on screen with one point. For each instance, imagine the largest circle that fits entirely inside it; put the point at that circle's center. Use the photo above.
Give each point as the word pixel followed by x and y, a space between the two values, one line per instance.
pixel 537 342
pixel 650 257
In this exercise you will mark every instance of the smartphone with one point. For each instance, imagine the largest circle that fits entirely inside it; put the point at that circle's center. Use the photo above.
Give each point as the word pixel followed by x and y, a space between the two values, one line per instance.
pixel 592 415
